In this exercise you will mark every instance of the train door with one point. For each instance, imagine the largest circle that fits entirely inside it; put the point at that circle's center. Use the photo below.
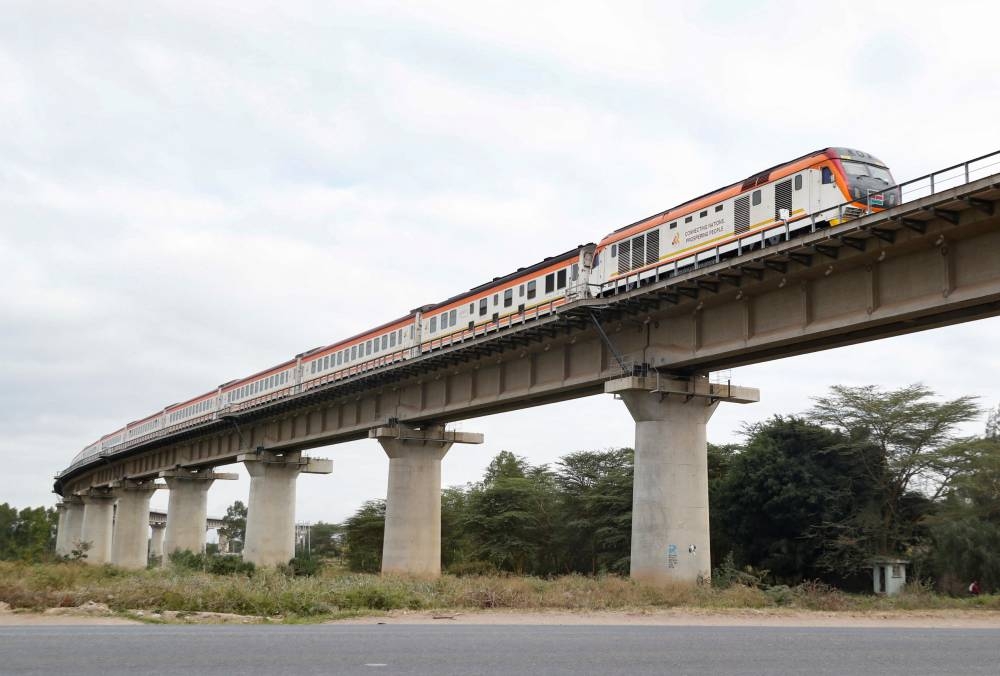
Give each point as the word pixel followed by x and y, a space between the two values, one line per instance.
pixel 761 205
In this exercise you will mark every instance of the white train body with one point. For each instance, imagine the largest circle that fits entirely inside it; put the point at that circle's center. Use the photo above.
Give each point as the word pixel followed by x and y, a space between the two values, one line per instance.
pixel 775 203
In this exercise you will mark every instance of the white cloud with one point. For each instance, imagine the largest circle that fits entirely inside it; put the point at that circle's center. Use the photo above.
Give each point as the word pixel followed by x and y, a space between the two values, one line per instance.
pixel 192 191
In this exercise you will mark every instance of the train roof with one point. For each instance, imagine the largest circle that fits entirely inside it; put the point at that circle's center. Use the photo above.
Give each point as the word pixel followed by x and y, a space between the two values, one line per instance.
pixel 546 262
pixel 750 182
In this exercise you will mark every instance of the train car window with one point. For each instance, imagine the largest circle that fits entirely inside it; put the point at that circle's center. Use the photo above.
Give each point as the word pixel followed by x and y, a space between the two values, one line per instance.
pixel 340 357
pixel 354 352
pixel 689 219
pixel 718 208
pixel 550 283
pixel 434 324
pixel 312 367
pixel 368 347
pixel 508 297
pixel 673 225
pixel 798 181
pixel 496 299
pixel 452 317
pixel 326 362
pixel 520 291
pixel 531 289
pixel 703 214
pixel 482 306
pixel 827 175
pixel 755 198
pixel 561 279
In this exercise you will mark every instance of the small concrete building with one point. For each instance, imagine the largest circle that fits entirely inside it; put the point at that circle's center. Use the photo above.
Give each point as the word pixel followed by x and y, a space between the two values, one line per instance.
pixel 889 575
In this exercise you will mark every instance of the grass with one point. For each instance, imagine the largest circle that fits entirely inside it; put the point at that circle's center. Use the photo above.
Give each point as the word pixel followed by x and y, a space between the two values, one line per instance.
pixel 335 593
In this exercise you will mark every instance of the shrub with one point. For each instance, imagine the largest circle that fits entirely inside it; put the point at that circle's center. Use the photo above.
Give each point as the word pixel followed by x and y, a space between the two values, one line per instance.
pixel 466 568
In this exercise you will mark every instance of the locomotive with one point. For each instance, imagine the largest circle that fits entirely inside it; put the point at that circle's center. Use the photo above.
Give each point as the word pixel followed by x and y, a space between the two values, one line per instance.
pixel 822 188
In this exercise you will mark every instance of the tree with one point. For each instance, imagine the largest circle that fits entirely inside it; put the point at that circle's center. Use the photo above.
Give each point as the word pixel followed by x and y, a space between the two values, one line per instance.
pixel 364 533
pixel 234 525
pixel 783 500
pixel 596 488
pixel 904 442
pixel 966 529
pixel 456 546
pixel 993 423
pixel 327 539
pixel 511 516
pixel 720 459
pixel 28 534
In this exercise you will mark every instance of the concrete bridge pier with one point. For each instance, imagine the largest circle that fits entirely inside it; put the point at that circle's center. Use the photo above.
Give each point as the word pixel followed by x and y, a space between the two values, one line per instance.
pixel 70 523
pixel 156 540
pixel 270 535
pixel 670 531
pixel 128 545
pixel 187 508
pixel 98 515
pixel 412 543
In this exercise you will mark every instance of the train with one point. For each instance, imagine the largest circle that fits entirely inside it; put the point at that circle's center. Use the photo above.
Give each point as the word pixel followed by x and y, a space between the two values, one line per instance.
pixel 819 189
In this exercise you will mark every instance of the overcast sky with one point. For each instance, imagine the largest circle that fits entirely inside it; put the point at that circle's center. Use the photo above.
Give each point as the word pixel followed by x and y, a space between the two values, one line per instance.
pixel 192 191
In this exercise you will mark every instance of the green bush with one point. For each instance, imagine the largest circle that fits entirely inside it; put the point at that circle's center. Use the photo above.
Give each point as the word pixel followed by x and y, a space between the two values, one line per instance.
pixel 465 568
pixel 229 565
pixel 304 566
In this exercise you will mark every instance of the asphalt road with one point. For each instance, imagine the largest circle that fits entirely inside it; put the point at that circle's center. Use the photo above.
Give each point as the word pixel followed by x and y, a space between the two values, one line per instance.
pixel 383 650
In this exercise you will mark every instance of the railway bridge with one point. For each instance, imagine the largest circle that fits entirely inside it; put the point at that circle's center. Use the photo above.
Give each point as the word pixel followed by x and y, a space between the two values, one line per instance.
pixel 931 261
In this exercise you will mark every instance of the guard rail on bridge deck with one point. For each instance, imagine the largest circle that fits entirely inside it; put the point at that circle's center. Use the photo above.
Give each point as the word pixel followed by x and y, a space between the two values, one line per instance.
pixel 808 257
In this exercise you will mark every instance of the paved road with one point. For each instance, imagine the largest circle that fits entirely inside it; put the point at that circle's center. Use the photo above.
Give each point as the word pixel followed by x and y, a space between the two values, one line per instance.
pixel 384 650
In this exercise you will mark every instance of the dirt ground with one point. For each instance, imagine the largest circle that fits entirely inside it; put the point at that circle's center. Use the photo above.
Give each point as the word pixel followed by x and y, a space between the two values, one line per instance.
pixel 697 617
pixel 99 614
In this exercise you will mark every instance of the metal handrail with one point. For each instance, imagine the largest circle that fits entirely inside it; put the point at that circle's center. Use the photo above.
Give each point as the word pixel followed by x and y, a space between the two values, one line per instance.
pixel 933 183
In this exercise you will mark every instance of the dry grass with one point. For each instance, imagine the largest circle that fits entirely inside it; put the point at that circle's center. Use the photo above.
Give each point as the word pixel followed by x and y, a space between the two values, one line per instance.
pixel 271 593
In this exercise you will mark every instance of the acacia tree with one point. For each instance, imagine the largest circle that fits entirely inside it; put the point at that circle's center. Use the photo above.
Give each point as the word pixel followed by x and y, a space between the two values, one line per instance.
pixel 512 516
pixel 596 488
pixel 782 497
pixel 966 529
pixel 234 525
pixel 905 442
pixel 364 533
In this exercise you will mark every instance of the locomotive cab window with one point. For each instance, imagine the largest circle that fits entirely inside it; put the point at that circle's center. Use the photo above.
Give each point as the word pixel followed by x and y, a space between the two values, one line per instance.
pixel 561 279
pixel 798 181
pixel 827 175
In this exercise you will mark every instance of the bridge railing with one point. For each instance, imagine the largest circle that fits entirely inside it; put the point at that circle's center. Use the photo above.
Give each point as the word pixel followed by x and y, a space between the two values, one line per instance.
pixel 923 186
pixel 908 191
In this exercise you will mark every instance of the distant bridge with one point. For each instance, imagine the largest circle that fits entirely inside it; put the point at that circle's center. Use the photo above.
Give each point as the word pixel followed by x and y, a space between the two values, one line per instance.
pixel 931 261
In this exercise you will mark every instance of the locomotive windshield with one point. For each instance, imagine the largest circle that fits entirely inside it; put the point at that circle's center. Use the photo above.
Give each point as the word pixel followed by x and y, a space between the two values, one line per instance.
pixel 860 169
